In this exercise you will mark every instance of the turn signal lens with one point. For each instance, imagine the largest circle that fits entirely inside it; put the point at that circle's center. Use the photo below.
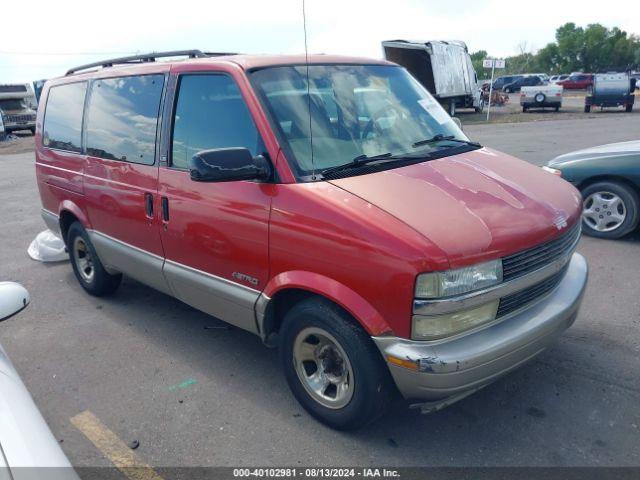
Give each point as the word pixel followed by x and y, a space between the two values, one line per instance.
pixel 552 170
pixel 440 326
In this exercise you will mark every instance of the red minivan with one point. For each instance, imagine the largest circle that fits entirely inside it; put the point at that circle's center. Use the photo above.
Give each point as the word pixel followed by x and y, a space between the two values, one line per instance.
pixel 332 207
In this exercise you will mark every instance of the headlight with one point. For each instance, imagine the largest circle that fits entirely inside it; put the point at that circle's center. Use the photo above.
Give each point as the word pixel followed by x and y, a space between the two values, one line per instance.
pixel 440 326
pixel 459 280
pixel 554 171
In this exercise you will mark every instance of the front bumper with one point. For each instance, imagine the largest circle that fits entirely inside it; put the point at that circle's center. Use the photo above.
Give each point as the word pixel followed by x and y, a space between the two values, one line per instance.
pixel 452 369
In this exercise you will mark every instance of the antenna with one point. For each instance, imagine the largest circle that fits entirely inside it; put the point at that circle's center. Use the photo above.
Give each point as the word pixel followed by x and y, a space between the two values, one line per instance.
pixel 306 61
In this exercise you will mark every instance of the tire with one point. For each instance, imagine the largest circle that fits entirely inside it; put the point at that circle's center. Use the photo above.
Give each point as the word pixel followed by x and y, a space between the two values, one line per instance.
pixel 480 108
pixel 524 109
pixel 628 107
pixel 557 109
pixel 369 388
pixel 33 130
pixel 587 108
pixel 507 90
pixel 452 108
pixel 540 97
pixel 595 212
pixel 87 266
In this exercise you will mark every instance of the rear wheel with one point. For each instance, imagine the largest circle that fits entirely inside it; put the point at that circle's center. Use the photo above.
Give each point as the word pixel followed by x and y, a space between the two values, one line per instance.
pixel 524 109
pixel 452 108
pixel 610 210
pixel 628 107
pixel 557 109
pixel 587 108
pixel 332 366
pixel 87 266
pixel 507 90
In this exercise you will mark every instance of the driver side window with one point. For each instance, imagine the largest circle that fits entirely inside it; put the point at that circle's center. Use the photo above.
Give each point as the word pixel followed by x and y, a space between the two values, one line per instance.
pixel 210 113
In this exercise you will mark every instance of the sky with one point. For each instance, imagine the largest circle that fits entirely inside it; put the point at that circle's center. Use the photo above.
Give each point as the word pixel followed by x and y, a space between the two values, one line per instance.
pixel 53 36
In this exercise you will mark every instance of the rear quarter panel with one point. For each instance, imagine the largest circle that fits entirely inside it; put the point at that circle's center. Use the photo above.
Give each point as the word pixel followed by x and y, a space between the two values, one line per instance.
pixel 59 173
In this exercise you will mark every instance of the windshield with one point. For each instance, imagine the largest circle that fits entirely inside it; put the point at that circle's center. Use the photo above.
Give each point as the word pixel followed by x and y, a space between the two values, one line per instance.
pixel 349 111
pixel 13 104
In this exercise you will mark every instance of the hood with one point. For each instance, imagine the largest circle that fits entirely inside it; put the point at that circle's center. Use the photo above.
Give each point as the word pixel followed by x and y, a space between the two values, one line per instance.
pixel 474 206
pixel 601 151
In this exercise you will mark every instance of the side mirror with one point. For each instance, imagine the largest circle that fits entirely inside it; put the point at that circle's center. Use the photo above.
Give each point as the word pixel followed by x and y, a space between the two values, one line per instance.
pixel 13 298
pixel 457 121
pixel 228 165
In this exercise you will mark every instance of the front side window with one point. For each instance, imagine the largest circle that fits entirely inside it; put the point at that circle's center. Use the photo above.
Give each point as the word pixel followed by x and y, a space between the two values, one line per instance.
pixel 63 117
pixel 122 118
pixel 210 113
pixel 349 111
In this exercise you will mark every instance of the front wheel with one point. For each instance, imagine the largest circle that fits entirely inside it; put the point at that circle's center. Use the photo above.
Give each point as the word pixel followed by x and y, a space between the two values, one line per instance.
pixel 87 267
pixel 610 210
pixel 332 366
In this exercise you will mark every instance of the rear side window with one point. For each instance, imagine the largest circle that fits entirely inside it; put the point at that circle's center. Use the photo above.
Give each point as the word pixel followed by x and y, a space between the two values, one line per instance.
pixel 63 117
pixel 122 118
pixel 211 113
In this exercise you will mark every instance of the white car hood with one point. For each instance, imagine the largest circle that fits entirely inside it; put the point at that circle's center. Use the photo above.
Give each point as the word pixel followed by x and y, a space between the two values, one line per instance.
pixel 25 438
pixel 609 150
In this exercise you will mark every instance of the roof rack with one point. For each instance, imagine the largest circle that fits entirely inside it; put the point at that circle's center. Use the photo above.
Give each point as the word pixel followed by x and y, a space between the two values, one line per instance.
pixel 145 58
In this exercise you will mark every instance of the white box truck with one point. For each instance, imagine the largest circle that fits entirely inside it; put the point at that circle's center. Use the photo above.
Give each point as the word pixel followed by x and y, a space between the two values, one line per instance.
pixel 443 67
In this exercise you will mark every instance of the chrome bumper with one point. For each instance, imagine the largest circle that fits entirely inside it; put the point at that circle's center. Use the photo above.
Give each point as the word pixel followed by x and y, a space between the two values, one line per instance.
pixel 452 369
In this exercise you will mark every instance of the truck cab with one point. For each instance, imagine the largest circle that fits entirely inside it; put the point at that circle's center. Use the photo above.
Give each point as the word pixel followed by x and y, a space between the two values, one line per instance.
pixel 17 109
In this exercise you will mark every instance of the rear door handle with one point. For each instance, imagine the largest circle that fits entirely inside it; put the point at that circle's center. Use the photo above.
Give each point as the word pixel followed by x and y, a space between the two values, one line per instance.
pixel 148 204
pixel 165 209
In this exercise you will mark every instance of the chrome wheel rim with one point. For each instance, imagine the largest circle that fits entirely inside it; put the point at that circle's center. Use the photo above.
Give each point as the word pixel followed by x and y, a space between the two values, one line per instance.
pixel 323 367
pixel 83 259
pixel 604 211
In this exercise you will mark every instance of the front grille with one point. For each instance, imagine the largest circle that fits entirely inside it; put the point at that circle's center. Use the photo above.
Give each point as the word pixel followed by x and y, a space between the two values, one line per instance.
pixel 532 259
pixel 513 302
pixel 30 117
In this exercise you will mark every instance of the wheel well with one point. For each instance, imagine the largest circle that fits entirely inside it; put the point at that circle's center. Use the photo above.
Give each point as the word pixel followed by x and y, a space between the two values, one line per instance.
pixel 608 178
pixel 278 307
pixel 66 219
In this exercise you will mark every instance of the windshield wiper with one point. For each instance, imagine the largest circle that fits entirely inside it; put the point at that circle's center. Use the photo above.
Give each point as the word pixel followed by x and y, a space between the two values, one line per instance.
pixel 439 137
pixel 361 160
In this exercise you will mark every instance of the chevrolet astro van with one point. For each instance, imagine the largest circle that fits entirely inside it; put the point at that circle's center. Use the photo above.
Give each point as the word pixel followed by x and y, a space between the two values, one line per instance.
pixel 332 207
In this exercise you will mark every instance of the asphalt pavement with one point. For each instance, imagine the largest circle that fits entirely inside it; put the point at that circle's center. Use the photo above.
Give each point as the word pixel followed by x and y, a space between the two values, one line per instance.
pixel 194 392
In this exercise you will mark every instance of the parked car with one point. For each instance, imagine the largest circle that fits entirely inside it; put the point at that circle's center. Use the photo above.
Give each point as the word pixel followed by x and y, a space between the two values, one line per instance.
pixel 444 68
pixel 580 81
pixel 541 96
pixel 543 76
pixel 609 178
pixel 29 449
pixel 500 82
pixel 527 81
pixel 558 78
pixel 388 254
pixel 611 90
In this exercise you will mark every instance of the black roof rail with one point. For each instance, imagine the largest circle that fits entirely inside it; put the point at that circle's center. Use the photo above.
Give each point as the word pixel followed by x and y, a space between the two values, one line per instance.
pixel 144 58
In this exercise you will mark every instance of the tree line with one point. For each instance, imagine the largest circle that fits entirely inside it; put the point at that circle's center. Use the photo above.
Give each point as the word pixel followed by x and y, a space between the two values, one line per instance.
pixel 593 48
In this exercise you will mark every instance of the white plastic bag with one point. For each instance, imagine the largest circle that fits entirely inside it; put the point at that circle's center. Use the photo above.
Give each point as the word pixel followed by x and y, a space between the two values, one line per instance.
pixel 48 247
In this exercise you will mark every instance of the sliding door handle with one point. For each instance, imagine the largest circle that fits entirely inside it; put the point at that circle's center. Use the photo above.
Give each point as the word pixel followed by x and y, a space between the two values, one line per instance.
pixel 148 204
pixel 165 209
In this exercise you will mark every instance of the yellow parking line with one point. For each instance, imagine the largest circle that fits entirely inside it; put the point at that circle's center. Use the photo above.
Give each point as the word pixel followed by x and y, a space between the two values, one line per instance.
pixel 113 448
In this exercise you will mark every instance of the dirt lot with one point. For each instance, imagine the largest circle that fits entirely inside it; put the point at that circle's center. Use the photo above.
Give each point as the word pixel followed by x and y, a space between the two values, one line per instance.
pixel 572 108
pixel 23 143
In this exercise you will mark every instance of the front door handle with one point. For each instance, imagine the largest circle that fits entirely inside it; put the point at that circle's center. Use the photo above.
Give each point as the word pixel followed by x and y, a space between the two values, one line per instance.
pixel 165 209
pixel 148 204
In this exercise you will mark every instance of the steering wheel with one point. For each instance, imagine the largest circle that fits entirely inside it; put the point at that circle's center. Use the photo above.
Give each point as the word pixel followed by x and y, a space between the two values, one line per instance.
pixel 375 117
